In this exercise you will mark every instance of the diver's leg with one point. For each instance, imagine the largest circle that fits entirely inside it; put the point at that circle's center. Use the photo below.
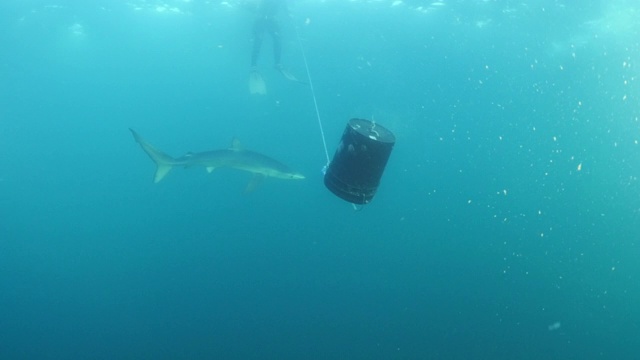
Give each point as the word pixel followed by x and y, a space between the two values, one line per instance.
pixel 256 83
pixel 274 30
pixel 255 52
pixel 258 34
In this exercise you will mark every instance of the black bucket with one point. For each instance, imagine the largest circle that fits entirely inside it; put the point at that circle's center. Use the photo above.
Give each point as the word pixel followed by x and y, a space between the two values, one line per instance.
pixel 357 166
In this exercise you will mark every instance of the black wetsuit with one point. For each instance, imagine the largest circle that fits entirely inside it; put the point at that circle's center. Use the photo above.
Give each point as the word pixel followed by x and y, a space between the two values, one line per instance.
pixel 266 23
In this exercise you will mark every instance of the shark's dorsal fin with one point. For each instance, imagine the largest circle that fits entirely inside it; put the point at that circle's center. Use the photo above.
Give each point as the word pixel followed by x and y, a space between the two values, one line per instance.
pixel 236 145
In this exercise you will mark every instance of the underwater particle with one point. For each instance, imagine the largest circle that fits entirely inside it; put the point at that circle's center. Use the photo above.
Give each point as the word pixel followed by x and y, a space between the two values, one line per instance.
pixel 555 326
pixel 76 30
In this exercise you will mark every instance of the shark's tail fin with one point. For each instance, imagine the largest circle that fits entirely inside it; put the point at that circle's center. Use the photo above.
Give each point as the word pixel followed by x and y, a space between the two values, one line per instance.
pixel 163 161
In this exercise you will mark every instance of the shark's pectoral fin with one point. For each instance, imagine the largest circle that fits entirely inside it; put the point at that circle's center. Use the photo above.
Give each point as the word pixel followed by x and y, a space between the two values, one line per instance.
pixel 161 171
pixel 210 169
pixel 253 184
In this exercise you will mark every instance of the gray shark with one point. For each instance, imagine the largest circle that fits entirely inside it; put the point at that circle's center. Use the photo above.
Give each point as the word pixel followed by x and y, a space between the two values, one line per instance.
pixel 236 157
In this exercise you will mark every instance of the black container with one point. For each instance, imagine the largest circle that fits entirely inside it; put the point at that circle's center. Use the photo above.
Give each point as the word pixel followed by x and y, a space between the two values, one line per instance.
pixel 357 166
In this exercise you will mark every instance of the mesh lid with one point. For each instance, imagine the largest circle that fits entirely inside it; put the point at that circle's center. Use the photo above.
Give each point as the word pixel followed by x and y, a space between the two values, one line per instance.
pixel 372 130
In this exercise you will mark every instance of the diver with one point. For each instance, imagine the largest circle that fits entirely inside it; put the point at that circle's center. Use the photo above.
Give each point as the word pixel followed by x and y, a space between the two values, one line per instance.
pixel 266 23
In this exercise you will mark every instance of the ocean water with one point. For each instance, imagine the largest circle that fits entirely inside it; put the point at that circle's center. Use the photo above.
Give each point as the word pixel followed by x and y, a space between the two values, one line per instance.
pixel 506 225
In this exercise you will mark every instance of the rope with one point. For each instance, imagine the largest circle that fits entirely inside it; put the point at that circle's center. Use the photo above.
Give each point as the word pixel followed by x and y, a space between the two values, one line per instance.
pixel 315 102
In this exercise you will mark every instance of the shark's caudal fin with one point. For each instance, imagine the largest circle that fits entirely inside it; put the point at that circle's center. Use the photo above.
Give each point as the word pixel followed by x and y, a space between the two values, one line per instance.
pixel 163 161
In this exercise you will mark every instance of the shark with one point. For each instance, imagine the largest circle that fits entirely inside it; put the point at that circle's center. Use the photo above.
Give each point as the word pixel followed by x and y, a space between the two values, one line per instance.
pixel 235 157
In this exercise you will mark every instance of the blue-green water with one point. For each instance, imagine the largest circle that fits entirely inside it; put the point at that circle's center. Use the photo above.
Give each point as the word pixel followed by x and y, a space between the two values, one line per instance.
pixel 506 226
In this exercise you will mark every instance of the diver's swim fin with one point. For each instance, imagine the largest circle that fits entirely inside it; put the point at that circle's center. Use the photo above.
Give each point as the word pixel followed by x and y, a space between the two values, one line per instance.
pixel 287 75
pixel 256 83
